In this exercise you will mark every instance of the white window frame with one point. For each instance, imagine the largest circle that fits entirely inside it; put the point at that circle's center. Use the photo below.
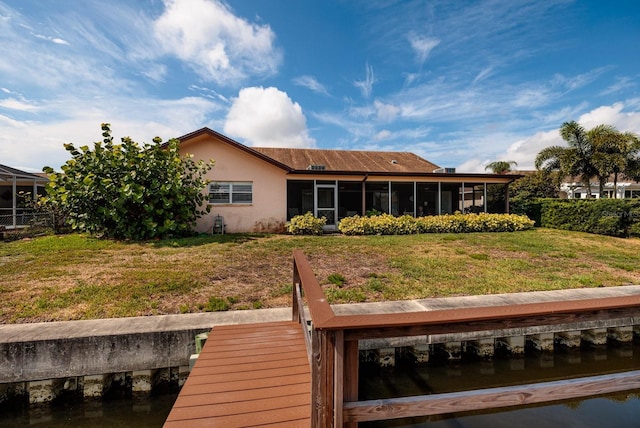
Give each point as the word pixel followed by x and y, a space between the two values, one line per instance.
pixel 234 190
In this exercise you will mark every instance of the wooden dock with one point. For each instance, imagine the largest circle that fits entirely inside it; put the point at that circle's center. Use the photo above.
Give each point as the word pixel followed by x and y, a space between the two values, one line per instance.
pixel 248 375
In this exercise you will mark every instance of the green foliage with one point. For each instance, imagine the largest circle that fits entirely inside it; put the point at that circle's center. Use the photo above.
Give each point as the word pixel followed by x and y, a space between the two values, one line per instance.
pixel 128 191
pixel 386 224
pixel 613 217
pixel 306 224
pixel 336 279
pixel 524 193
pixel 500 167
pixel 372 212
pixel 216 304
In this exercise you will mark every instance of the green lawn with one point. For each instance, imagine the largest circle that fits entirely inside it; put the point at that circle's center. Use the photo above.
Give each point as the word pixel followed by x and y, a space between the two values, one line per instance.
pixel 78 277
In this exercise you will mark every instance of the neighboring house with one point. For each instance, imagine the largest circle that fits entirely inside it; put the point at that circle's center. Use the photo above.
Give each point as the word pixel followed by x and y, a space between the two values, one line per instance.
pixel 13 181
pixel 259 189
pixel 574 188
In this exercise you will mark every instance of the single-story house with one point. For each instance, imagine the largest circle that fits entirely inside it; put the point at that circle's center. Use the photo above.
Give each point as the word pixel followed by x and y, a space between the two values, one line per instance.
pixel 574 188
pixel 258 189
pixel 13 212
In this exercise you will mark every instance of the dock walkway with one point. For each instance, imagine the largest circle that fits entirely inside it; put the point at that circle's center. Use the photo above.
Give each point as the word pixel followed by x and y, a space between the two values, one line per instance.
pixel 248 375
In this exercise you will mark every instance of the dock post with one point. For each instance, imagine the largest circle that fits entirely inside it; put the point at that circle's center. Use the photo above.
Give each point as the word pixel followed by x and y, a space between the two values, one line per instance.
pixel 45 391
pixel 483 348
pixel 95 386
pixel 595 336
pixel 542 342
pixel 621 334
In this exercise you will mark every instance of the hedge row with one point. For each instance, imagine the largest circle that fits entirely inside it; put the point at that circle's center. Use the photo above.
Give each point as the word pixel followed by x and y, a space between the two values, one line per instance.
pixel 386 224
pixel 613 217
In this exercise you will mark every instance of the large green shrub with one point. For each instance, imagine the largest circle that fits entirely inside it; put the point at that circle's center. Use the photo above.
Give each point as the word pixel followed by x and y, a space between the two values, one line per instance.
pixel 386 224
pixel 613 217
pixel 128 191
pixel 306 224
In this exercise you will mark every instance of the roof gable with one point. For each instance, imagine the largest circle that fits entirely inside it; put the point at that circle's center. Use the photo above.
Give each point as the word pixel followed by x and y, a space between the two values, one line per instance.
pixel 314 160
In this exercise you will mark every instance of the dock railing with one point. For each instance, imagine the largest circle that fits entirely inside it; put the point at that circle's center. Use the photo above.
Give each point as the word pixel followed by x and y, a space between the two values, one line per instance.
pixel 332 344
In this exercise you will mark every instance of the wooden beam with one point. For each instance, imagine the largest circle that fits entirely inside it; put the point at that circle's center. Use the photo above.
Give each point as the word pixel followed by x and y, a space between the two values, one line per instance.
pixel 351 378
pixel 437 404
pixel 322 379
pixel 362 330
pixel 502 313
pixel 319 307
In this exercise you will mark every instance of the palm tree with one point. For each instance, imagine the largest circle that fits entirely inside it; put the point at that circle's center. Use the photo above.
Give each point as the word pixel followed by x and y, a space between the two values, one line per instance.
pixel 574 160
pixel 500 167
pixel 615 153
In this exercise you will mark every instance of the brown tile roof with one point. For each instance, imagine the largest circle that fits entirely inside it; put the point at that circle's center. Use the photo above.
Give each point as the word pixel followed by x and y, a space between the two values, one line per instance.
pixel 349 160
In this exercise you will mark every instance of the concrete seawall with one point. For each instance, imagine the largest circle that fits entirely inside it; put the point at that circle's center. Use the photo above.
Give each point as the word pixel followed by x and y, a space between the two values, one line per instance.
pixel 79 348
pixel 42 359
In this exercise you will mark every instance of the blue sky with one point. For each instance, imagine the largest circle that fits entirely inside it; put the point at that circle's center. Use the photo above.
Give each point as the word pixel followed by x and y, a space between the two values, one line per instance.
pixel 461 83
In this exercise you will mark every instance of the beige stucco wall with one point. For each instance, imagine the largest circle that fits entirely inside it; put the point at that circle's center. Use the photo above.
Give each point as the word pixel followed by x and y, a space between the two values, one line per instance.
pixel 267 213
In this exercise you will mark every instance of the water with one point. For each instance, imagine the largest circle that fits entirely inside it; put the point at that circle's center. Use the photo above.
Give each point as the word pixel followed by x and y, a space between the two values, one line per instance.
pixel 622 411
pixel 619 411
pixel 114 413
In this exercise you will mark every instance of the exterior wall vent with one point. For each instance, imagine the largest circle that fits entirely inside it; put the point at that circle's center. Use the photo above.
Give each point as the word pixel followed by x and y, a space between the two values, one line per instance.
pixel 316 167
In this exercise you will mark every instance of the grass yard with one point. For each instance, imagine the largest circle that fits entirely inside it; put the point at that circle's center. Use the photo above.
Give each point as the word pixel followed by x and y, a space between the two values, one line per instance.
pixel 77 277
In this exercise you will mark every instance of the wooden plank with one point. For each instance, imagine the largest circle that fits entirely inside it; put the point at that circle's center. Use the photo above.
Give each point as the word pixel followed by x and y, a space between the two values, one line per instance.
pixel 302 319
pixel 248 375
pixel 426 405
pixel 487 324
pixel 240 407
pixel 251 374
pixel 562 311
pixel 351 375
pixel 248 419
pixel 258 365
pixel 232 396
pixel 319 307
pixel 248 359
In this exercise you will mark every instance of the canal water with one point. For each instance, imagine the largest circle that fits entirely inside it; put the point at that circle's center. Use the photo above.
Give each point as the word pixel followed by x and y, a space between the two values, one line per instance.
pixel 439 376
pixel 406 379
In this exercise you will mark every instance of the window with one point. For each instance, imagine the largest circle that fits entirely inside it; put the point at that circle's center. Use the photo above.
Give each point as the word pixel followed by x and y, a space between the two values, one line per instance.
pixel 231 193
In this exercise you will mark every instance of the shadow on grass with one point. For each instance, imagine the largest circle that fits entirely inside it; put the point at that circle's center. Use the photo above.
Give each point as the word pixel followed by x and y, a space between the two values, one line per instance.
pixel 205 239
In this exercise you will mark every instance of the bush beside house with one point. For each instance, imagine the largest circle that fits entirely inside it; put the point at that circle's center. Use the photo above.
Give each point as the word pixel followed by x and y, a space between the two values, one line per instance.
pixel 385 224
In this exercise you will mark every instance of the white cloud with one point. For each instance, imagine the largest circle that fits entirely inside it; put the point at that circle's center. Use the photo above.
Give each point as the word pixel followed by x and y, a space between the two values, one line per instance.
pixel 267 117
pixel 574 82
pixel 219 46
pixel 311 83
pixel 612 115
pixel 620 84
pixel 382 135
pixel 386 112
pixel 422 46
pixel 55 40
pixel 484 73
pixel 366 85
pixel 20 105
